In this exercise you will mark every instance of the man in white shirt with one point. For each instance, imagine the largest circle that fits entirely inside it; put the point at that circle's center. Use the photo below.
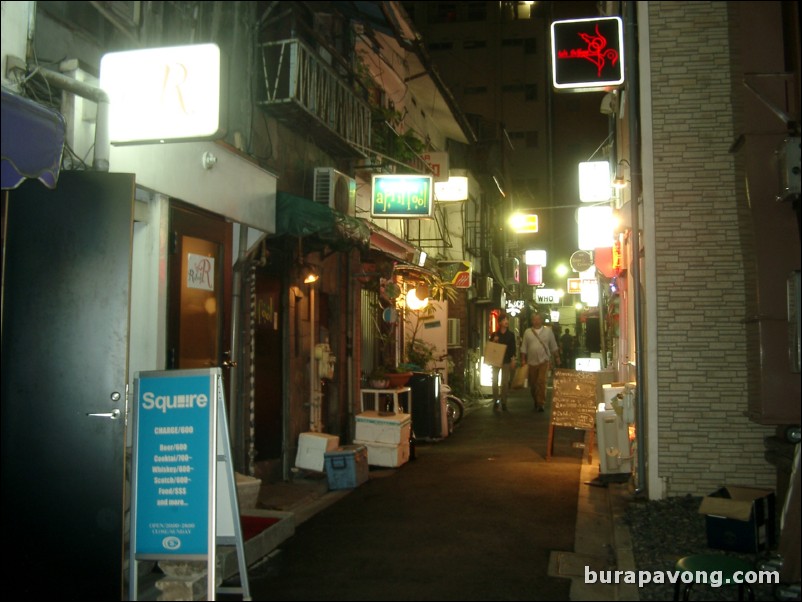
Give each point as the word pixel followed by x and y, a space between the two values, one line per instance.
pixel 538 349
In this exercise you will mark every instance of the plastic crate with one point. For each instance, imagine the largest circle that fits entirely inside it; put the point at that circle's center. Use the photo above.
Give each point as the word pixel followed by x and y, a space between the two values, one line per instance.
pixel 347 467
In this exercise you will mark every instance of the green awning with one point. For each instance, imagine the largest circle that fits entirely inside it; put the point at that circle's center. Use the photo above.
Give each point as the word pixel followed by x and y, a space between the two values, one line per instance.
pixel 301 217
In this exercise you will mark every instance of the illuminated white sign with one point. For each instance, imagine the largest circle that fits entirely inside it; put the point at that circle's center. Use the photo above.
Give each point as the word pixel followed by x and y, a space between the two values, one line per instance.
pixel 454 189
pixel 515 307
pixel 590 293
pixel 594 181
pixel 163 94
pixel 596 227
pixel 547 296
pixel 535 257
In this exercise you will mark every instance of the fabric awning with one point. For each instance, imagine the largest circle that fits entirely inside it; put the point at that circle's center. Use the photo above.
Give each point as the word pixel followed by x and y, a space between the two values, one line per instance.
pixel 498 274
pixel 298 216
pixel 390 244
pixel 32 141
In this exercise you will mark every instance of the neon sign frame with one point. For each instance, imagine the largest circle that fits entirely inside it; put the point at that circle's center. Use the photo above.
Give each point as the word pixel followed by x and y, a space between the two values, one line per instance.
pixel 587 55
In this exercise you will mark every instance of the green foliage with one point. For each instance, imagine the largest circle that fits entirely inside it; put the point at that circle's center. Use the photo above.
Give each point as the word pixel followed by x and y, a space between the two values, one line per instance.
pixel 419 353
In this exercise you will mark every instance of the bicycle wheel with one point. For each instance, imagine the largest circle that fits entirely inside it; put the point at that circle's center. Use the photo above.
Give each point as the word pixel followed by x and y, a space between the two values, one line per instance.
pixel 455 407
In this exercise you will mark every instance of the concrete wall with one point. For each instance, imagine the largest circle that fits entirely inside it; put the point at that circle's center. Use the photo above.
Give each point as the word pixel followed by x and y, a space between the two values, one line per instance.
pixel 703 438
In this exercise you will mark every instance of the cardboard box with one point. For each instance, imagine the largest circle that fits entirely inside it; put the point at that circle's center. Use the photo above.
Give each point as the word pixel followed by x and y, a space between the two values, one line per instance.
pixel 741 519
pixel 372 426
pixel 347 467
pixel 384 454
pixel 312 448
pixel 494 354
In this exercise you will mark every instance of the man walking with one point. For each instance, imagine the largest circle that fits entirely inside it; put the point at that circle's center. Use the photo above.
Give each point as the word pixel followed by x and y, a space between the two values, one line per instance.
pixel 538 349
pixel 567 348
pixel 503 336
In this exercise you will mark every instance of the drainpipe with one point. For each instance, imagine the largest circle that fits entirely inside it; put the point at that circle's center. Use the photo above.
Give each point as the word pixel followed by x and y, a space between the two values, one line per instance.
pixel 314 389
pixel 102 139
pixel 630 42
pixel 236 362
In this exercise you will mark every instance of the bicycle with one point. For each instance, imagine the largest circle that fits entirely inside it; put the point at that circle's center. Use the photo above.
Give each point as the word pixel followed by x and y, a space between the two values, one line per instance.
pixel 455 407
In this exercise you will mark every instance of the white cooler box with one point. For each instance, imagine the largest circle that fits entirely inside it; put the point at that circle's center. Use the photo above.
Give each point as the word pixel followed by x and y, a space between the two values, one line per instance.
pixel 312 448
pixel 386 454
pixel 393 429
pixel 612 437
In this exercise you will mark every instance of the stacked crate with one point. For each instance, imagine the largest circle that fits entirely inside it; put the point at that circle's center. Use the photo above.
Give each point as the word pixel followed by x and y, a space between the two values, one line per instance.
pixel 386 437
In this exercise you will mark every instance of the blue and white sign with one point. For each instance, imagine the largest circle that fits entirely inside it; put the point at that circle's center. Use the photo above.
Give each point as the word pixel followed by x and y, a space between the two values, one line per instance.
pixel 174 462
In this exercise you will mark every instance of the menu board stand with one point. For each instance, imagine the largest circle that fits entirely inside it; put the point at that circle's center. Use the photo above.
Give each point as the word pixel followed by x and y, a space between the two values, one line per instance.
pixel 574 405
pixel 183 491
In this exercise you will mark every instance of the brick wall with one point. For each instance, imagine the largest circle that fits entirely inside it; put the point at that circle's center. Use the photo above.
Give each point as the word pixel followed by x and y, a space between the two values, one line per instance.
pixel 704 439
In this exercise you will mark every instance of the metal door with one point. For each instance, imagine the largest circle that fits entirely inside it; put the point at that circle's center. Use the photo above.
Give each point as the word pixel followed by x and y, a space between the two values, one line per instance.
pixel 66 284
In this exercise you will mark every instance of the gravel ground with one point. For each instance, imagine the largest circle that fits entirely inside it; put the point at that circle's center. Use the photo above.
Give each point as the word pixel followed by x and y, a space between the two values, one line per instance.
pixel 662 531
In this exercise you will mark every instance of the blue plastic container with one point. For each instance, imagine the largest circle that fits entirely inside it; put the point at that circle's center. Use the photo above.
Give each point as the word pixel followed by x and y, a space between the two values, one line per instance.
pixel 347 467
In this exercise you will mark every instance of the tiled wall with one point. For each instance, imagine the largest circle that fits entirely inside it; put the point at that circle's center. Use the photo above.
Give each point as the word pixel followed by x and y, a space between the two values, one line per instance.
pixel 704 438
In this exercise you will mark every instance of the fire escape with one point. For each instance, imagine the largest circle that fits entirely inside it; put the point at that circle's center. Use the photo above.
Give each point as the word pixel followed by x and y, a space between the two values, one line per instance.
pixel 301 90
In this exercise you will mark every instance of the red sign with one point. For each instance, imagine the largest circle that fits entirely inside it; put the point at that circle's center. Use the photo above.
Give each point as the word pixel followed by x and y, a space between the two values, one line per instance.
pixel 618 257
pixel 534 275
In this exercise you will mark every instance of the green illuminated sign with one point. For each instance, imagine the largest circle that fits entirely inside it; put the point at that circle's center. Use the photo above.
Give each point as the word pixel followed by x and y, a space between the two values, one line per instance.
pixel 401 196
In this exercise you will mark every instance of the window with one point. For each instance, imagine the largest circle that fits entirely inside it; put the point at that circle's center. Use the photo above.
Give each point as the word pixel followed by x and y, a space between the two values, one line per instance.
pixel 474 90
pixel 435 46
pixel 477 11
pixel 529 91
pixel 516 138
pixel 530 46
pixel 525 139
pixel 474 44
pixel 446 13
pixel 526 187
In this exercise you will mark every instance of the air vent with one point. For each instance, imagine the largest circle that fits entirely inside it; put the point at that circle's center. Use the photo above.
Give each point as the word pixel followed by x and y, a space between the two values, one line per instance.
pixel 335 189
pixel 453 332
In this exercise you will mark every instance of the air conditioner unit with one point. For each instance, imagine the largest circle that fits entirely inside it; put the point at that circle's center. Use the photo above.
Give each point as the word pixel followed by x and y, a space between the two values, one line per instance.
pixel 335 189
pixel 484 288
pixel 453 333
pixel 788 163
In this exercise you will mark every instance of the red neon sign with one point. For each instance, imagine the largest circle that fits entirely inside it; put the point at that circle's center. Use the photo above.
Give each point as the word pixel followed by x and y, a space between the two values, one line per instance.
pixel 587 53
pixel 595 52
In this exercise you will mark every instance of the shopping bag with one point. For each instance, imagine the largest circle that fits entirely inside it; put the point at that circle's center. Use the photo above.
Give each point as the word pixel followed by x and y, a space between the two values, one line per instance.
pixel 519 378
pixel 494 354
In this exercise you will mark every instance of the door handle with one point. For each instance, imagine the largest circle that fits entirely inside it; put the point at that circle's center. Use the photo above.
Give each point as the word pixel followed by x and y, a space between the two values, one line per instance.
pixel 113 415
pixel 228 362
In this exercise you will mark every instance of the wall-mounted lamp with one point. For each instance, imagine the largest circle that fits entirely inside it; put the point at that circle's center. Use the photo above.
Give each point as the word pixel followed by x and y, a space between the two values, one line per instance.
pixel 414 302
pixel 620 181
pixel 309 274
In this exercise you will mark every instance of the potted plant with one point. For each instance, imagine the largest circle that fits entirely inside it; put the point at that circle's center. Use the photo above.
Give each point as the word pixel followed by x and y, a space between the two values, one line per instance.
pixel 398 376
pixel 378 378
pixel 419 354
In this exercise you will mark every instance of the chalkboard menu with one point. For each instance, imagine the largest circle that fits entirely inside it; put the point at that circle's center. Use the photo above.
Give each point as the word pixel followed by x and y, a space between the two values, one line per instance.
pixel 574 403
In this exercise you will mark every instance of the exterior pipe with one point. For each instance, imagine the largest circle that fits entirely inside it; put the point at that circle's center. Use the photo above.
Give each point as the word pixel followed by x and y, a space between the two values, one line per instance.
pixel 102 137
pixel 630 41
pixel 235 355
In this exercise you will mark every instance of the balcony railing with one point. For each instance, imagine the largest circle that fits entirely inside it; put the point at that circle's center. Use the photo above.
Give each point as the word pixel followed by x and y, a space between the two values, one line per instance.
pixel 302 90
